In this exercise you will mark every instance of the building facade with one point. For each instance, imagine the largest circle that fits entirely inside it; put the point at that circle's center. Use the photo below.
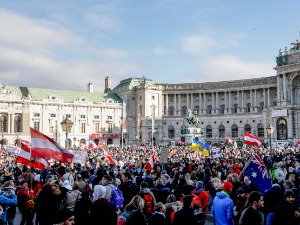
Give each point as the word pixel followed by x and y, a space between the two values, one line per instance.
pixel 156 111
pixel 94 115
pixel 139 110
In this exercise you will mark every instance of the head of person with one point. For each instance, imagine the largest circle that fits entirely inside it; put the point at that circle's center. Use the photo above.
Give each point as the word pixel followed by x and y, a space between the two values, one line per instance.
pixel 171 198
pixel 79 177
pixel 65 216
pixel 291 177
pixel 188 201
pixel 288 185
pixel 256 200
pixel 199 187
pixel 75 186
pixel 227 187
pixel 126 177
pixel 289 196
pixel 99 192
pixel 106 179
pixel 144 185
pixel 137 202
pixel 159 207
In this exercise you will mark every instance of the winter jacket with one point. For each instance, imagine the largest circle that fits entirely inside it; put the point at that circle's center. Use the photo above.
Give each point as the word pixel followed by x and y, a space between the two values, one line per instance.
pixel 204 200
pixel 4 202
pixel 222 209
pixel 102 212
pixel 71 198
pixel 68 176
pixel 160 193
pixel 132 216
pixel 185 216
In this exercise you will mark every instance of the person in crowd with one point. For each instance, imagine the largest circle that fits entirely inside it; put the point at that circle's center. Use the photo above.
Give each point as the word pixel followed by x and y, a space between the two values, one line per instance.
pixel 65 216
pixel 25 203
pixel 280 172
pixel 148 178
pixel 158 217
pixel 82 208
pixel 128 188
pixel 236 185
pixel 68 176
pixel 107 183
pixel 72 197
pixel 160 192
pixel 8 202
pixel 186 214
pixel 242 202
pixel 133 213
pixel 252 215
pixel 201 199
pixel 101 209
pixel 149 199
pixel 171 207
pixel 287 212
pixel 81 183
pixel 222 208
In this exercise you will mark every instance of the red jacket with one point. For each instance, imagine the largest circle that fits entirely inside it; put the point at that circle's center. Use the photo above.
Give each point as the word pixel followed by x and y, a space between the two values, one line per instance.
pixel 203 197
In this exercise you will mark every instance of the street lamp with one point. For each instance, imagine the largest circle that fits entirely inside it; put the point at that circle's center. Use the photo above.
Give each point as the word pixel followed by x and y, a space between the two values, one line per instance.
pixel 270 131
pixel 66 126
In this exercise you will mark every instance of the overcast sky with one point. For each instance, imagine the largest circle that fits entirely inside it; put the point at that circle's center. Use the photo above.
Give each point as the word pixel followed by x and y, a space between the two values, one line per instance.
pixel 67 44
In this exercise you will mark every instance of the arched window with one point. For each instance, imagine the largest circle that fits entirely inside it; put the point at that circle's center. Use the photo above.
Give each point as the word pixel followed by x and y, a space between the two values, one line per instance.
pixel 209 109
pixel 234 130
pixel 208 131
pixel 260 130
pixel 221 131
pixel 247 128
pixel 17 124
pixel 281 129
pixel 171 132
pixel 183 110
pixel 171 111
pixel 3 123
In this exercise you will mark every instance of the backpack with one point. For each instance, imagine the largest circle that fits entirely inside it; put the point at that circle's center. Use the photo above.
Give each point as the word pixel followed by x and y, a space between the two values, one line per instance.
pixel 117 198
pixel 148 208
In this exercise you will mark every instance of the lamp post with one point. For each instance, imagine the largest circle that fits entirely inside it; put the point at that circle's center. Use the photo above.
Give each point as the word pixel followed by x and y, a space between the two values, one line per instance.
pixel 270 131
pixel 153 123
pixel 66 126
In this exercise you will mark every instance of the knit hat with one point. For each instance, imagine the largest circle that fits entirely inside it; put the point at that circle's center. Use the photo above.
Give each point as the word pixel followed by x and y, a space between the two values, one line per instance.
pixel 289 193
pixel 63 214
pixel 199 187
pixel 227 187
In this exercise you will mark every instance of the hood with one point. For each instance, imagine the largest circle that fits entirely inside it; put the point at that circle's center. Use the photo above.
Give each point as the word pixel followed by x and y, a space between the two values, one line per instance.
pixel 222 195
pixel 171 204
pixel 145 191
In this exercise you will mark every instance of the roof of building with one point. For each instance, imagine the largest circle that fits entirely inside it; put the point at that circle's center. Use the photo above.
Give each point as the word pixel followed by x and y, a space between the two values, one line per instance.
pixel 133 82
pixel 65 95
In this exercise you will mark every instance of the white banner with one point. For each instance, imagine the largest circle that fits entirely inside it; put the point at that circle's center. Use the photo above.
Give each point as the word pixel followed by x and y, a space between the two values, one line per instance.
pixel 79 157
pixel 216 153
pixel 13 149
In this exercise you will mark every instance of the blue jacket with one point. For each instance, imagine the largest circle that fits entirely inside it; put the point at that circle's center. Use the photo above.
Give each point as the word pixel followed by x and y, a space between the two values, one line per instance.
pixel 4 202
pixel 222 209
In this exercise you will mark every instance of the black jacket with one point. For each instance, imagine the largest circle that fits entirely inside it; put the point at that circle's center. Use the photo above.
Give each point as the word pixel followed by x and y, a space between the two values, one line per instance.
pixel 184 216
pixel 157 219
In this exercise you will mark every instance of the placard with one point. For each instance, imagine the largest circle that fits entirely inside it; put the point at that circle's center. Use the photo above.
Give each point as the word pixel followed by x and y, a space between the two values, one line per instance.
pixel 164 155
pixel 79 157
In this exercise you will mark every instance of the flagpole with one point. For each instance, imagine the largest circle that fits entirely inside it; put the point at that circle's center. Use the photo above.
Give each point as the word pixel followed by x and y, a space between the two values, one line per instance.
pixel 246 166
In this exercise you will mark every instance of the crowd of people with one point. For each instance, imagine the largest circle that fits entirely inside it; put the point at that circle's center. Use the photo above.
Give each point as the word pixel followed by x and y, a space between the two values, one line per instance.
pixel 185 190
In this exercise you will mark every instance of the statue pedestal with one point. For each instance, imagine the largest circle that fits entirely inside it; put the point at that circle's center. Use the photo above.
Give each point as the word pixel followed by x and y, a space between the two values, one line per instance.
pixel 192 132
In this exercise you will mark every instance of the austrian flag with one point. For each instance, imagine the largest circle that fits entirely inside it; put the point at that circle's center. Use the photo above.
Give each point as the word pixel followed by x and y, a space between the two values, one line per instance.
pixel 252 140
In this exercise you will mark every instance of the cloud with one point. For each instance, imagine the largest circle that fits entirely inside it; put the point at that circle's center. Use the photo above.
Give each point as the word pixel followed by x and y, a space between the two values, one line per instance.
pixel 228 67
pixel 162 51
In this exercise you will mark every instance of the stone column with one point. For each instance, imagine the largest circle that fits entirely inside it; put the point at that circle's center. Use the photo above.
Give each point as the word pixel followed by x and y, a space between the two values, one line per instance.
pixel 167 104
pixel 264 99
pixel 278 90
pixel 204 103
pixel 217 103
pixel 175 105
pixel 251 101
pixel 188 101
pixel 213 103
pixel 225 97
pixel 192 101
pixel 229 103
pixel 269 104
pixel 242 104
pixel 284 95
pixel 179 104
pixel 200 103
pixel 255 100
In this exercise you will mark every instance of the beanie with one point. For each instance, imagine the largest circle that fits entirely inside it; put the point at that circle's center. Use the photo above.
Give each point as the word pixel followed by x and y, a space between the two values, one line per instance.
pixel 227 187
pixel 63 214
pixel 199 187
pixel 289 193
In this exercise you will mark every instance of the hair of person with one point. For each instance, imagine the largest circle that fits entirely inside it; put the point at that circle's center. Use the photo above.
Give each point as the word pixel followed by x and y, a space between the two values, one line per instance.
pixel 158 206
pixel 137 202
pixel 107 177
pixel 254 197
pixel 75 186
pixel 128 175
pixel 288 184
pixel 171 198
pixel 187 200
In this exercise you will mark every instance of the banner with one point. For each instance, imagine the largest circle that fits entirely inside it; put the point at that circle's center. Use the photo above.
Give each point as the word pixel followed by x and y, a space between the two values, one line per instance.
pixel 164 155
pixel 79 157
pixel 12 149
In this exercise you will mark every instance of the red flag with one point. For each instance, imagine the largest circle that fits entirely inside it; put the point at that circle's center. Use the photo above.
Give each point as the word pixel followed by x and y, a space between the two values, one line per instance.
pixel 229 140
pixel 252 140
pixel 25 158
pixel 150 164
pixel 43 146
pixel 109 157
pixel 93 145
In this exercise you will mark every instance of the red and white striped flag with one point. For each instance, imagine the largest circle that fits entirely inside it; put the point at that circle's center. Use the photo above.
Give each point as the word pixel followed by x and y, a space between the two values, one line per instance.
pixel 252 140
pixel 150 164
pixel 43 146
pixel 24 157
pixel 229 140
pixel 109 157
pixel 93 145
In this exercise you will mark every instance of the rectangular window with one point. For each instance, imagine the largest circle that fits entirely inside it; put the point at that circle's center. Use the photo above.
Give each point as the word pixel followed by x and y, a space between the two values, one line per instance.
pixel 109 117
pixel 153 97
pixel 110 128
pixel 82 116
pixel 96 128
pixel 82 128
pixel 36 125
pixel 68 115
pixel 96 117
pixel 36 115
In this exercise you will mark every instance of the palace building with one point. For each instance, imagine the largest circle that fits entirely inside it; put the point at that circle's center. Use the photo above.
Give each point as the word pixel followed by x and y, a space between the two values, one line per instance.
pixel 155 111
